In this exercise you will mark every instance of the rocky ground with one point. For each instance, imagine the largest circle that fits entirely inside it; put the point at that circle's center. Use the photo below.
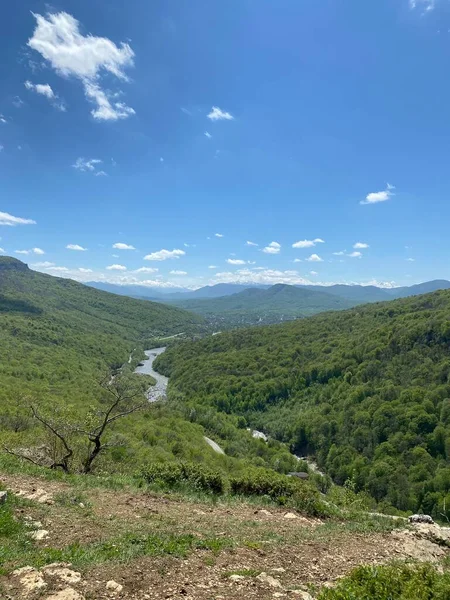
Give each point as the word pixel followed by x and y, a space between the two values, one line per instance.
pixel 260 553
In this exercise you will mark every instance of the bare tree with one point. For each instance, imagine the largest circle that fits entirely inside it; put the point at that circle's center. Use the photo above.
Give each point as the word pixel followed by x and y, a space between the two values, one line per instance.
pixel 119 399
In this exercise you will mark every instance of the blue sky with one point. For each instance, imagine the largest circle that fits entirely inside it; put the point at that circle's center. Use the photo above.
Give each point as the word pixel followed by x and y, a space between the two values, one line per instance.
pixel 317 130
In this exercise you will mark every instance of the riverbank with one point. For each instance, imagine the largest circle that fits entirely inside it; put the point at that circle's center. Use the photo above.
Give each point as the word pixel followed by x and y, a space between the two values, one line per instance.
pixel 159 390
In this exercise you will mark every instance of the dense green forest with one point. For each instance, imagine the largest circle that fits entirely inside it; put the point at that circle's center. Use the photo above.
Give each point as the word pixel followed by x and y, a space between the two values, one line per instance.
pixel 59 339
pixel 264 306
pixel 365 391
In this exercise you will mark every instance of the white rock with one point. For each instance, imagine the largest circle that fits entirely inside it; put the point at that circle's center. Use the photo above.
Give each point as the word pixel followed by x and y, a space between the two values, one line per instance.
pixel 279 570
pixel 264 578
pixel 236 577
pixel 66 594
pixel 113 586
pixel 30 579
pixel 62 573
pixel 40 534
pixel 290 516
pixel 263 511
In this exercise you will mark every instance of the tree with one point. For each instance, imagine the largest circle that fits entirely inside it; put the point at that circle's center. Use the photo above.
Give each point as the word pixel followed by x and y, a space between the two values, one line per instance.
pixel 120 397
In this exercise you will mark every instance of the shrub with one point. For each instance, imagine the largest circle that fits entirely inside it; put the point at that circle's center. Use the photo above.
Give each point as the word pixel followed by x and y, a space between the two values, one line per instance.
pixel 259 482
pixel 196 476
pixel 392 582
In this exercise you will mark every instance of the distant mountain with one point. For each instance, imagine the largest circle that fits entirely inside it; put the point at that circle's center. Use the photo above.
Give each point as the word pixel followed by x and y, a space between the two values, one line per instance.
pixel 251 306
pixel 359 294
pixel 134 291
pixel 420 288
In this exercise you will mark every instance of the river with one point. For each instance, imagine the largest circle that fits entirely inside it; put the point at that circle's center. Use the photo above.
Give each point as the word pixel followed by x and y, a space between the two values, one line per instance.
pixel 159 390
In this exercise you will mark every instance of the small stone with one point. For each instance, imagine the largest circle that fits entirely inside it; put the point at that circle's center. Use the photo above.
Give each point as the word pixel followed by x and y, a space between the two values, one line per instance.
pixel 264 578
pixel 236 577
pixel 81 505
pixel 263 511
pixel 279 595
pixel 279 570
pixel 3 497
pixel 30 579
pixel 290 516
pixel 40 534
pixel 113 586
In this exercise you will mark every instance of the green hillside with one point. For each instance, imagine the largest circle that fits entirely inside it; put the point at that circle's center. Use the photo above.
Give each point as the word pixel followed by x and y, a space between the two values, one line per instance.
pixel 264 306
pixel 365 391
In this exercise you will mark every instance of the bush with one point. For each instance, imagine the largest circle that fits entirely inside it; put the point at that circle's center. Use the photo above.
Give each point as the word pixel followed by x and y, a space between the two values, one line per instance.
pixel 259 482
pixel 196 476
pixel 392 582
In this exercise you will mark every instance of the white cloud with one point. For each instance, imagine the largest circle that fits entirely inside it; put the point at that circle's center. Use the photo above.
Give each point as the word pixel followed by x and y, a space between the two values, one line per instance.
pixel 218 114
pixel 235 261
pixel 219 235
pixel 41 88
pixel 212 267
pixel 375 197
pixel 44 89
pixel 272 248
pixel 208 135
pixel 38 251
pixel 161 159
pixel 297 260
pixel 2 250
pixel 83 270
pixel 18 102
pixel 248 243
pixel 340 253
pixel 11 221
pixel 116 268
pixel 314 258
pixel 122 246
pixel 43 265
pixel 58 39
pixel 165 254
pixel 360 245
pixel 2 119
pixel 355 255
pixel 147 270
pixel 260 276
pixel 307 243
pixel 428 5
pixel 76 247
pixel 178 273
pixel 81 164
pixel 58 269
pixel 101 174
pixel 313 273
pixel 411 259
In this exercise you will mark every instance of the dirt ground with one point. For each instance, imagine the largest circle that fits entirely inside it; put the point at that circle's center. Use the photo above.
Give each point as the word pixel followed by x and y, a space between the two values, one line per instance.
pixel 274 553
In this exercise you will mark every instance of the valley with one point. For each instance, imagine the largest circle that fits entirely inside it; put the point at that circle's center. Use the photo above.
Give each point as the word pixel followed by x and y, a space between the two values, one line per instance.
pixel 192 470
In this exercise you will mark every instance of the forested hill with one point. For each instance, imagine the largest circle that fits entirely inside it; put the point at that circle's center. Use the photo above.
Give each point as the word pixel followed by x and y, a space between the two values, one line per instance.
pixel 366 391
pixel 254 305
pixel 52 329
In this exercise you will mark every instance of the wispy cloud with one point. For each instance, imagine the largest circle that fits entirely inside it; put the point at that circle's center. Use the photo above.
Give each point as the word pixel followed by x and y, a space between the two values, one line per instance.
pixel 87 166
pixel 314 258
pixel 307 243
pixel 43 265
pixel 355 255
pixel 3 119
pixel 297 260
pixel 272 248
pixel 219 235
pixel 360 246
pixel 217 114
pixel 76 247
pixel 340 253
pixel 411 259
pixel 208 135
pixel 58 39
pixel 375 197
pixel 116 268
pixel 261 276
pixel 147 270
pixel 44 89
pixel 212 267
pixel 122 246
pixel 428 5
pixel 178 273
pixel 11 221
pixel 165 254
pixel 38 251
pixel 235 261
pixel 248 243
pixel 83 270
